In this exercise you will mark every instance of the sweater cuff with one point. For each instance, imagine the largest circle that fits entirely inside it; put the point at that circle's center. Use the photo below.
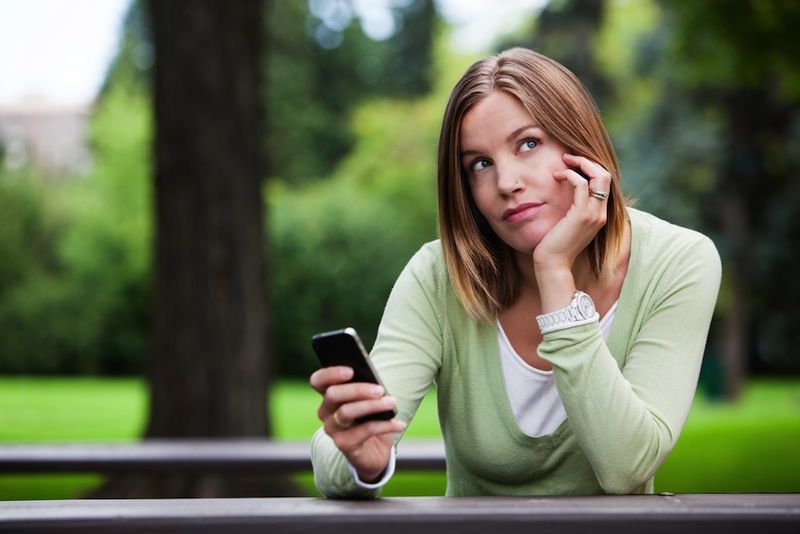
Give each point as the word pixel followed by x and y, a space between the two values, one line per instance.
pixel 566 347
pixel 387 473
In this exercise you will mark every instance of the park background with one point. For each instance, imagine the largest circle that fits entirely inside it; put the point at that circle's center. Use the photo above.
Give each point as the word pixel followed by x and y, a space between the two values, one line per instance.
pixel 702 100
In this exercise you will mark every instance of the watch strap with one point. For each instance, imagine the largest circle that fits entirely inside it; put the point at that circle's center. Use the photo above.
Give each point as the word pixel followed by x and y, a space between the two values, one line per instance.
pixel 566 317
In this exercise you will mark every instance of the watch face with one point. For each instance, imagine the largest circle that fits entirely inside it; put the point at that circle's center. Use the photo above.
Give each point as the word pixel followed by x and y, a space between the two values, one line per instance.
pixel 586 305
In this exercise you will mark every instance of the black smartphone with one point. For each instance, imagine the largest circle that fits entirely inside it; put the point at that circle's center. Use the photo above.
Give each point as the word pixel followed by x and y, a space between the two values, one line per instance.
pixel 344 347
pixel 579 171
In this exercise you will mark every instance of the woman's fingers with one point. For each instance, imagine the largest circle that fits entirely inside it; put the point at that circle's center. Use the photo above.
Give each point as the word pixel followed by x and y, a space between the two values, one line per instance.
pixel 581 191
pixel 585 217
pixel 591 169
pixel 598 177
pixel 322 379
pixel 344 402
pixel 346 414
pixel 337 395
pixel 351 439
pixel 592 186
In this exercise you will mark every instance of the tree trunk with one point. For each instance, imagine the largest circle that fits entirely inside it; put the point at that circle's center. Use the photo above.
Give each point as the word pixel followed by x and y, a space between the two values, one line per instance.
pixel 209 362
pixel 735 325
pixel 209 372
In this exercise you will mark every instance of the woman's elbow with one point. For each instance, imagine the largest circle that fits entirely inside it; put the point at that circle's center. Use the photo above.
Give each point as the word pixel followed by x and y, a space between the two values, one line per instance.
pixel 632 477
pixel 622 484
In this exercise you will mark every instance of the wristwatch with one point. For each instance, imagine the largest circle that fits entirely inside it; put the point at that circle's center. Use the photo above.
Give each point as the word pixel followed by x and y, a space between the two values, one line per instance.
pixel 579 312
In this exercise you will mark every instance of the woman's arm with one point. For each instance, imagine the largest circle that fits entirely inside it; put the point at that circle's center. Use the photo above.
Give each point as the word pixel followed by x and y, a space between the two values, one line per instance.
pixel 626 421
pixel 407 355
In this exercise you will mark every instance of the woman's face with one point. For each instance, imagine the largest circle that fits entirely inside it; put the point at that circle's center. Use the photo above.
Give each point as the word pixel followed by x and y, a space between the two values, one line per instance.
pixel 510 163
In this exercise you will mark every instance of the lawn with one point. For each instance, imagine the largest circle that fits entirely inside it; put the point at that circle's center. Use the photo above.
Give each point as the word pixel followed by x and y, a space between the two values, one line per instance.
pixel 747 446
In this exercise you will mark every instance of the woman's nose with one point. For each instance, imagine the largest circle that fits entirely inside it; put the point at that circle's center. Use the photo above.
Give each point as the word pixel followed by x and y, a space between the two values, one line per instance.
pixel 509 181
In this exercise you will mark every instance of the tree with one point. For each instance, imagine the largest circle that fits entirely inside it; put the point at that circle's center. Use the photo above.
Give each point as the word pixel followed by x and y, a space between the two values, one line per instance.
pixel 209 374
pixel 728 107
pixel 567 32
pixel 321 65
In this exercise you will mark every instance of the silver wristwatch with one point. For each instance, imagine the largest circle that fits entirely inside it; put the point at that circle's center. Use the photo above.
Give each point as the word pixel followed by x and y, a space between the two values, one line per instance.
pixel 580 311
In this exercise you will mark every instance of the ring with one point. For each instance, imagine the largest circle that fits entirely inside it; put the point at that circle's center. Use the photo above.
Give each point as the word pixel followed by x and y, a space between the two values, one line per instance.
pixel 338 422
pixel 600 195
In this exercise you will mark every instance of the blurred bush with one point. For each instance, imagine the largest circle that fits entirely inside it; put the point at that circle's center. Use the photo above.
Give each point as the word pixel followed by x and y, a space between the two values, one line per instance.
pixel 78 303
pixel 337 245
pixel 74 280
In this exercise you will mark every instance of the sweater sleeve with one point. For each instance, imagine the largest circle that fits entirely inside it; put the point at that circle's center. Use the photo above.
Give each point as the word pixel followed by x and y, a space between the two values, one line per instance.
pixel 407 355
pixel 627 420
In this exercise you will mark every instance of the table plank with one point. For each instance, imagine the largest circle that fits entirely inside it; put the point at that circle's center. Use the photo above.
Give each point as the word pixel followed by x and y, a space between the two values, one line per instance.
pixel 761 513
pixel 228 455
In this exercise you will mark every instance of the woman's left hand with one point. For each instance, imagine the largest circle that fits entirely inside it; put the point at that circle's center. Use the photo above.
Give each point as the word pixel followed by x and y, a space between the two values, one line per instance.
pixel 585 217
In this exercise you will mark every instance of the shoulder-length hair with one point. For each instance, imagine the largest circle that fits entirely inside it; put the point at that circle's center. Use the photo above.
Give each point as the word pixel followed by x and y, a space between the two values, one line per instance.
pixel 481 266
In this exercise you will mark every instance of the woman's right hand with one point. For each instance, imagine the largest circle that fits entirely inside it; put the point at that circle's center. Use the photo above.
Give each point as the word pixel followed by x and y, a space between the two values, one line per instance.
pixel 367 446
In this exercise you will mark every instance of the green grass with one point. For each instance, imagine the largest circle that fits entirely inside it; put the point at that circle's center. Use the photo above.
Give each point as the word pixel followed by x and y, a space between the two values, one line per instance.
pixel 747 446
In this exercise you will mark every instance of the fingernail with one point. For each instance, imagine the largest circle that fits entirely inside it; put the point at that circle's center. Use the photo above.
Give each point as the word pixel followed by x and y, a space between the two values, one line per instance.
pixel 377 391
pixel 402 424
pixel 345 372
pixel 389 401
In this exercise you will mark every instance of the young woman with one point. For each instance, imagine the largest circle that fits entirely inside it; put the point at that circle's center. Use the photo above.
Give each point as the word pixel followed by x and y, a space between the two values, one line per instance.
pixel 564 330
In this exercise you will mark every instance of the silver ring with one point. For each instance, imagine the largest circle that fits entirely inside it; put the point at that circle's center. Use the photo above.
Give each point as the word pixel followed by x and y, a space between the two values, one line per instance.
pixel 600 195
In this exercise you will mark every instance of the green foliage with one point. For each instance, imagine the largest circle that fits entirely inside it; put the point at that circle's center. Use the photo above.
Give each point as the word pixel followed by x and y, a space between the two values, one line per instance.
pixel 106 248
pixel 338 245
pixel 27 240
pixel 318 71
pixel 351 193
pixel 713 145
pixel 750 45
pixel 74 290
pixel 26 236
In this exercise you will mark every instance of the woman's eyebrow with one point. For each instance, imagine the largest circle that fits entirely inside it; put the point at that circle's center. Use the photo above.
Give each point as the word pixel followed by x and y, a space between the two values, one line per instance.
pixel 518 131
pixel 510 138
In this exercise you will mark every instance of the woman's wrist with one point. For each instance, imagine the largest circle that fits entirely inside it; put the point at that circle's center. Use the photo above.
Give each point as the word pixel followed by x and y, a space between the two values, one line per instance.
pixel 379 480
pixel 556 287
pixel 371 476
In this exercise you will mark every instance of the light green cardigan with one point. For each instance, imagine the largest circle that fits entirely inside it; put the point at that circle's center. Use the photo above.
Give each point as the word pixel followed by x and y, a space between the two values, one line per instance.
pixel 626 400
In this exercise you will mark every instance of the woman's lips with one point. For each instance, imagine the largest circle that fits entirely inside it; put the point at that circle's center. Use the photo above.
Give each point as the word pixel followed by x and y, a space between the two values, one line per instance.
pixel 521 212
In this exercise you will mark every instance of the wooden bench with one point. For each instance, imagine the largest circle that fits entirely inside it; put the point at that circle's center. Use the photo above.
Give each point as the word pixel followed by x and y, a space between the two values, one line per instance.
pixel 685 514
pixel 218 455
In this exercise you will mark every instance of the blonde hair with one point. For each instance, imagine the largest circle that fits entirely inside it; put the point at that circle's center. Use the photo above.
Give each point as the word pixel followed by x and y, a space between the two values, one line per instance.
pixel 481 266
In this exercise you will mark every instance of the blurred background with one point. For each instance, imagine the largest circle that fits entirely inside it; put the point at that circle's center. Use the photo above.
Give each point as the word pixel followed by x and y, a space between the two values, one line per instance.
pixel 702 100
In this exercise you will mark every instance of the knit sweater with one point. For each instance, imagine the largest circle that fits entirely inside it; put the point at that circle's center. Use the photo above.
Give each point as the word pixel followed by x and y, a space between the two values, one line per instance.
pixel 626 399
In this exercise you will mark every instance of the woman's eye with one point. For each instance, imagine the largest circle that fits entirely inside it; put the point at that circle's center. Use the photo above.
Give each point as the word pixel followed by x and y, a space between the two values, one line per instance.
pixel 481 164
pixel 528 144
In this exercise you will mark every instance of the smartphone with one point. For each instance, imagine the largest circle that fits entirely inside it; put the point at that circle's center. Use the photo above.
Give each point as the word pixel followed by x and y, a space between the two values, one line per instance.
pixel 579 171
pixel 344 347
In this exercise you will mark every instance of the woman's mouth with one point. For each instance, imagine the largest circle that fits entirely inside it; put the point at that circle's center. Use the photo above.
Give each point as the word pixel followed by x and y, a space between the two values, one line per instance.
pixel 520 212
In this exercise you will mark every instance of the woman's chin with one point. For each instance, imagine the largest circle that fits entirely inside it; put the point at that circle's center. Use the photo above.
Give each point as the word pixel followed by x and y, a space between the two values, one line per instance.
pixel 524 242
pixel 525 246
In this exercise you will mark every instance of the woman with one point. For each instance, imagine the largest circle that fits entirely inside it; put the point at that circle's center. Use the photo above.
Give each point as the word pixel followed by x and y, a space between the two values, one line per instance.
pixel 564 331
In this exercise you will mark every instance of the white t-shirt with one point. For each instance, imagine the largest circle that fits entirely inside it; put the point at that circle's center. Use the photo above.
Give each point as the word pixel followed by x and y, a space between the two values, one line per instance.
pixel 532 392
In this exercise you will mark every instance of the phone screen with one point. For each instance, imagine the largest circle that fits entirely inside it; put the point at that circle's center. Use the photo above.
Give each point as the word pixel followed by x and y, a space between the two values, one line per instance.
pixel 344 347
